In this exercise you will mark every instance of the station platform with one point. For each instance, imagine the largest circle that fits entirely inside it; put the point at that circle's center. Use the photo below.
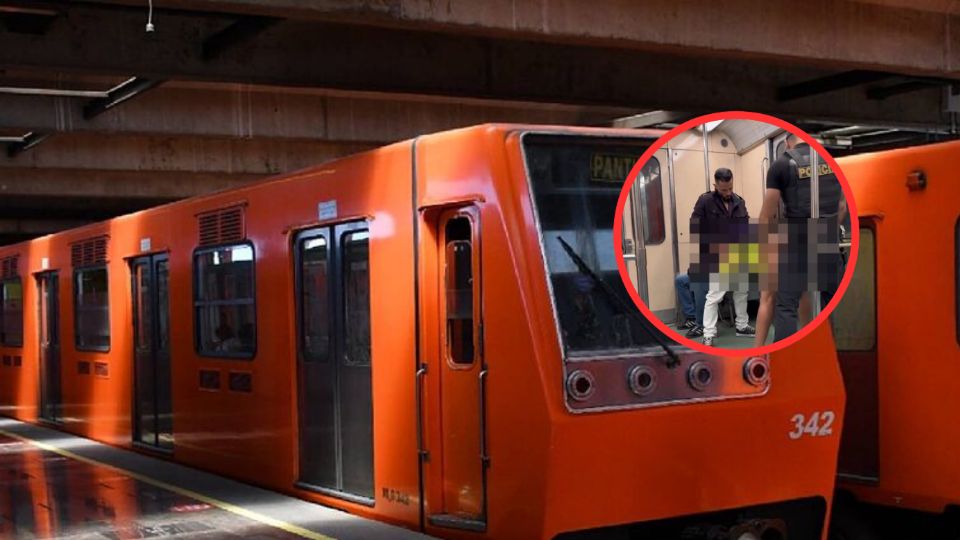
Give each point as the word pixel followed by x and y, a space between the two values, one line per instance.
pixel 57 485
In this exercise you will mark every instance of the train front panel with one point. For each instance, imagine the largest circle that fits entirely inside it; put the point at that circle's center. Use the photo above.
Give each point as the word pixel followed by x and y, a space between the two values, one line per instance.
pixel 556 431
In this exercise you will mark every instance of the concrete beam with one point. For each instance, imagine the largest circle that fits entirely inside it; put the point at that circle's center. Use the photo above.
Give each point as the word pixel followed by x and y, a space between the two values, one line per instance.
pixel 919 36
pixel 295 53
pixel 81 208
pixel 140 153
pixel 97 185
pixel 37 227
pixel 8 239
pixel 652 118
pixel 243 111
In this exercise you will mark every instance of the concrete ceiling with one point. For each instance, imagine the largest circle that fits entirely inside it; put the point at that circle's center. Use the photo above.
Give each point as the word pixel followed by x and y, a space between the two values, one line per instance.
pixel 225 91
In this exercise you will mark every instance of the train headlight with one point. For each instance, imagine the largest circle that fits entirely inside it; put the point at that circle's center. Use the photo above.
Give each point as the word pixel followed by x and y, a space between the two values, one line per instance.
pixel 756 371
pixel 700 376
pixel 580 385
pixel 642 380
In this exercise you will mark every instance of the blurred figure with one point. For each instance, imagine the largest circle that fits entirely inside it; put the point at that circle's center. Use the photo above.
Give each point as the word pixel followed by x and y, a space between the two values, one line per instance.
pixel 788 181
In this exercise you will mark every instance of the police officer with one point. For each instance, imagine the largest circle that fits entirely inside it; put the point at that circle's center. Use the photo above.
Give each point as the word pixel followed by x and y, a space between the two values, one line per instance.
pixel 788 181
pixel 719 209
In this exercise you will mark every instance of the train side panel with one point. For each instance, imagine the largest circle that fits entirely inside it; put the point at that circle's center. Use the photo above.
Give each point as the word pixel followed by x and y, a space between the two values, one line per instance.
pixel 246 433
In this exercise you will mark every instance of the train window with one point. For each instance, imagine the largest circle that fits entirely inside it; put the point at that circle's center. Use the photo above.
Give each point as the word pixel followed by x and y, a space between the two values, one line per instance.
pixel 11 318
pixel 459 290
pixel 91 308
pixel 142 305
pixel 855 318
pixel 314 300
pixel 649 190
pixel 355 247
pixel 225 310
pixel 575 182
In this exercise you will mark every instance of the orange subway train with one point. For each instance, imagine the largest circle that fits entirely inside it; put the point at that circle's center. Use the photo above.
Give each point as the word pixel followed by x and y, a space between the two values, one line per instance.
pixel 433 334
pixel 897 333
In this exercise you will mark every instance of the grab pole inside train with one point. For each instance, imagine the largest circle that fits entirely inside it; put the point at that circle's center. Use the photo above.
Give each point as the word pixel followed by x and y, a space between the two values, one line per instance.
pixel 813 259
pixel 706 158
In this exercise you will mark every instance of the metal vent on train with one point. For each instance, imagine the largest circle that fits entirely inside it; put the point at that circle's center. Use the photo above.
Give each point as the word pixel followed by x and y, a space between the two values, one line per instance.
pixel 221 226
pixel 10 267
pixel 89 252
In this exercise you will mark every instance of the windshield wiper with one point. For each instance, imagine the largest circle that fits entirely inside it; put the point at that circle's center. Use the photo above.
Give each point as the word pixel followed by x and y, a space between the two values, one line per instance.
pixel 630 310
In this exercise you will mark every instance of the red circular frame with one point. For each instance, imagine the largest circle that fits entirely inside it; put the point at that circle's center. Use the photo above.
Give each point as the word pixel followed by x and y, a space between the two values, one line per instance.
pixel 753 351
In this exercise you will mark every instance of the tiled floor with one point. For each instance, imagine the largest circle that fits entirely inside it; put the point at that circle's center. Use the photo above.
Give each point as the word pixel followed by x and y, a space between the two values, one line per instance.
pixel 70 487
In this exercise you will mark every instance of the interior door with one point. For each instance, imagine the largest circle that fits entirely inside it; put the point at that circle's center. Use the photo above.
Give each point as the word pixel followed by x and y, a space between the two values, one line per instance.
pixel 153 404
pixel 51 404
pixel 633 252
pixel 334 366
pixel 651 193
pixel 458 460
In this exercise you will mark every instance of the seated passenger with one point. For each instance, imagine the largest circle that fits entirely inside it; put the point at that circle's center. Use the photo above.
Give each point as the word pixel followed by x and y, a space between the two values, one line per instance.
pixel 691 304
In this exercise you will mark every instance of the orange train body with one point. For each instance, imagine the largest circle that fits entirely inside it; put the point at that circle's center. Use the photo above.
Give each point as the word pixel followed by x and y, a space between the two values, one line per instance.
pixel 901 357
pixel 503 450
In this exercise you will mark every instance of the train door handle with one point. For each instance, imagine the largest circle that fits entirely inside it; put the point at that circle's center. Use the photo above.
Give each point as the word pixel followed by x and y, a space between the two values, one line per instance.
pixel 421 450
pixel 482 381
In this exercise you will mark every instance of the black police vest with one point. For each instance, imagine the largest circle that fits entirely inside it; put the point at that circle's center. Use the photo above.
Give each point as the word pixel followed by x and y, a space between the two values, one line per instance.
pixel 796 198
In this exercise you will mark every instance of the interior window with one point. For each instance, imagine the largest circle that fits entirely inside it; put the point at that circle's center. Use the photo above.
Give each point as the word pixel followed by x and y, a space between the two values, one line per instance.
pixel 225 309
pixel 649 188
pixel 91 309
pixel 855 319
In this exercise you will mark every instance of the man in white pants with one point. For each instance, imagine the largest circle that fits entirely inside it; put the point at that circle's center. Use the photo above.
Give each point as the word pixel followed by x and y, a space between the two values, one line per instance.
pixel 722 203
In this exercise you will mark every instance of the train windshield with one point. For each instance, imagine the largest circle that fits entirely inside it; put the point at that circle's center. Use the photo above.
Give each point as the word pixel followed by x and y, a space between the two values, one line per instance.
pixel 576 182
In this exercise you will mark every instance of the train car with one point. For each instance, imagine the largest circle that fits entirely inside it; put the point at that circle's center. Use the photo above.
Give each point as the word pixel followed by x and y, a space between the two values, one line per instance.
pixel 899 444
pixel 433 334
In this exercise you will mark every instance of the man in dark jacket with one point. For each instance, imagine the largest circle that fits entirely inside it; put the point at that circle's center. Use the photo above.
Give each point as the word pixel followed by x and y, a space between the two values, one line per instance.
pixel 788 182
pixel 714 210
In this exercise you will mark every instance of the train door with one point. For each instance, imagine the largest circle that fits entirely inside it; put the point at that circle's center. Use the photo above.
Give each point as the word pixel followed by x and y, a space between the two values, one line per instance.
pixel 153 405
pixel 855 332
pixel 633 252
pixel 647 241
pixel 334 376
pixel 458 461
pixel 651 193
pixel 51 396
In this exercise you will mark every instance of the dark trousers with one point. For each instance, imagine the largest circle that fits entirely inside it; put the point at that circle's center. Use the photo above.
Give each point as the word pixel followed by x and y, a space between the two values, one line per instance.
pixel 693 297
pixel 785 314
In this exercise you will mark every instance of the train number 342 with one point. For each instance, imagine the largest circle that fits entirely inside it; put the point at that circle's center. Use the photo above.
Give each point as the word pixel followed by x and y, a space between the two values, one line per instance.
pixel 819 424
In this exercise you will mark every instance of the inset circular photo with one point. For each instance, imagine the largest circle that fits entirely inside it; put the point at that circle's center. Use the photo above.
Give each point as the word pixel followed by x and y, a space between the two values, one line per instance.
pixel 732 234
